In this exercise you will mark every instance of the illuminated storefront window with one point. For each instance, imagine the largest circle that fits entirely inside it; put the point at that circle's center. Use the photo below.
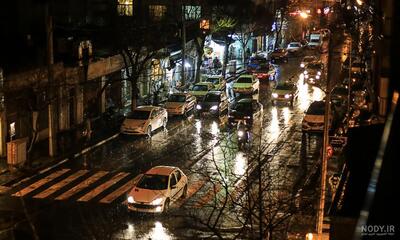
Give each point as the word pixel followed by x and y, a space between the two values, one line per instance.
pixel 125 7
pixel 157 12
pixel 192 12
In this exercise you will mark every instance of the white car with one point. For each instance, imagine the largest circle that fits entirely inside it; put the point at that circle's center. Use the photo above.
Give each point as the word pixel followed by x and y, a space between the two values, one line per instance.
pixel 145 119
pixel 156 189
pixel 180 103
pixel 294 47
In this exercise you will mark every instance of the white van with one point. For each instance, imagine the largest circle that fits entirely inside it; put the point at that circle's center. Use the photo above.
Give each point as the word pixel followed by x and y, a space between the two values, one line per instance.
pixel 315 41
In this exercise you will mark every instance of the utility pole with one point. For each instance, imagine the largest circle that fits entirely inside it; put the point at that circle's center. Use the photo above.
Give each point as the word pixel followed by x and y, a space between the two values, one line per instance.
pixel 349 83
pixel 51 105
pixel 325 144
pixel 183 35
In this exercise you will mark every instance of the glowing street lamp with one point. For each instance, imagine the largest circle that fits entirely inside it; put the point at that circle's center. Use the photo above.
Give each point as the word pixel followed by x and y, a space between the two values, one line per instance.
pixel 303 15
pixel 359 2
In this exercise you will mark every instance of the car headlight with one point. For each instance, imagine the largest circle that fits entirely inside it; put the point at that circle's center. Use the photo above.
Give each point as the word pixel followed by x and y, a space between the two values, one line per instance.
pixel 319 73
pixel 215 107
pixel 305 76
pixel 288 95
pixel 246 117
pixel 130 199
pixel 302 65
pixel 198 107
pixel 317 77
pixel 240 133
pixel 274 95
pixel 305 72
pixel 157 201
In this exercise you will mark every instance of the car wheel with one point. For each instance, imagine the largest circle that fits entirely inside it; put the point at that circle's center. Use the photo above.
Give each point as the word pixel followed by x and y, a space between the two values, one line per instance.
pixel 148 132
pixel 184 193
pixel 166 206
pixel 164 124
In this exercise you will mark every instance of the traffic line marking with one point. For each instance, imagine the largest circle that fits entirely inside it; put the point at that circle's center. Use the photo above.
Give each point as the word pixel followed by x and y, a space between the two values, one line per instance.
pixel 90 195
pixel 121 190
pixel 192 189
pixel 60 184
pixel 40 183
pixel 84 184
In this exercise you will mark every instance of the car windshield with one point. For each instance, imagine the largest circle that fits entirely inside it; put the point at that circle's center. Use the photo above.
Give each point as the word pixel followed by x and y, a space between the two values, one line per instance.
pixel 211 98
pixel 316 109
pixel 284 87
pixel 153 182
pixel 308 59
pixel 258 61
pixel 242 107
pixel 142 115
pixel 314 66
pixel 314 40
pixel 213 80
pixel 340 91
pixel 199 88
pixel 177 98
pixel 244 80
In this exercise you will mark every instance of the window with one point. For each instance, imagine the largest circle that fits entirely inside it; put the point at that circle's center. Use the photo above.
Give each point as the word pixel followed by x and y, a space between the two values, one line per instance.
pixel 125 7
pixel 192 12
pixel 173 180
pixel 157 12
pixel 178 176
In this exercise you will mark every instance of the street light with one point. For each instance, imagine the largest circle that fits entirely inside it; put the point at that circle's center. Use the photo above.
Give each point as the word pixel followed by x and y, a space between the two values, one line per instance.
pixel 359 2
pixel 303 15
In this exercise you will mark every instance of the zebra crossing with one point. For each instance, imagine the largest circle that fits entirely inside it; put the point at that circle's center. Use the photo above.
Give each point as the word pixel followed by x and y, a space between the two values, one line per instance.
pixel 82 185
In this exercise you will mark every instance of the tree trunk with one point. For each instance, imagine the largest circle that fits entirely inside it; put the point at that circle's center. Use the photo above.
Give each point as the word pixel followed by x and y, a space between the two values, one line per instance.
pixel 134 94
pixel 199 43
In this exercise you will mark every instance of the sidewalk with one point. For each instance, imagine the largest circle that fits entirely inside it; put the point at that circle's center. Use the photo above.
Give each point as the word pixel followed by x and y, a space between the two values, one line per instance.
pixel 71 143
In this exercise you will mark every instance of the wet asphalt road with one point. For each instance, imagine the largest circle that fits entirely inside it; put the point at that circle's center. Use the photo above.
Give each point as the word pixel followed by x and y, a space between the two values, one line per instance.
pixel 191 144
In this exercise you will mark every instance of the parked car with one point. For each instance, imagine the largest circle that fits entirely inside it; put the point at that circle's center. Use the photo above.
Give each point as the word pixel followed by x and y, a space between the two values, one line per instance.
pixel 306 60
pixel 180 103
pixel 315 41
pixel 217 81
pixel 214 103
pixel 339 95
pixel 294 47
pixel 256 63
pixel 145 119
pixel 154 191
pixel 313 121
pixel 279 55
pixel 246 109
pixel 199 90
pixel 313 72
pixel 246 84
pixel 286 92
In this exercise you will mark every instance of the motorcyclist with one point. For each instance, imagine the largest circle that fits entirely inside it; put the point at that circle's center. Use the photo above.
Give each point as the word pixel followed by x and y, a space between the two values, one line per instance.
pixel 243 131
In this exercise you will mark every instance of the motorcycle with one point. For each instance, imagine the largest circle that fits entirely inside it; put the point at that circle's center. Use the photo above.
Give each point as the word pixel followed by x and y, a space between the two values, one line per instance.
pixel 243 135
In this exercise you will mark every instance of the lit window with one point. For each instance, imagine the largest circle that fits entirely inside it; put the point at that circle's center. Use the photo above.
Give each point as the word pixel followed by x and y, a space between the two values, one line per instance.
pixel 125 7
pixel 192 12
pixel 157 12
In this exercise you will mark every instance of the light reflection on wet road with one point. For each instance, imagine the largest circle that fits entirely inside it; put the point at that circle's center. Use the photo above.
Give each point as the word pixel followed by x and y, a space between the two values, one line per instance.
pixel 194 144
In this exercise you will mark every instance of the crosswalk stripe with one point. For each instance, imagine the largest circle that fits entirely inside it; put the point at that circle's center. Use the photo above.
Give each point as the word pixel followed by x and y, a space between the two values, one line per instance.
pixel 84 184
pixel 192 189
pixel 103 187
pixel 60 184
pixel 121 190
pixel 209 196
pixel 40 183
